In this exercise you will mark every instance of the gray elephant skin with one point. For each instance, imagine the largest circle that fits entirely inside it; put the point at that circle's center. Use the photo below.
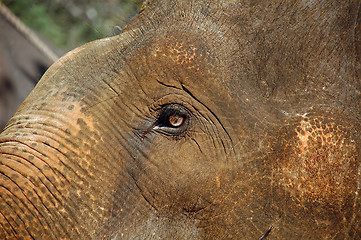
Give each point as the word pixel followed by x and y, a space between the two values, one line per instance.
pixel 219 119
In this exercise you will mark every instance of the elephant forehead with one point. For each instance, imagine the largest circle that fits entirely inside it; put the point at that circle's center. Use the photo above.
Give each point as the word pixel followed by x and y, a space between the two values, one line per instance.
pixel 181 57
pixel 181 53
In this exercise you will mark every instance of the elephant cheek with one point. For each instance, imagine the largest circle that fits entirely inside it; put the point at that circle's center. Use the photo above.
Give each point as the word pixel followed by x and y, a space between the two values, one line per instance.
pixel 315 168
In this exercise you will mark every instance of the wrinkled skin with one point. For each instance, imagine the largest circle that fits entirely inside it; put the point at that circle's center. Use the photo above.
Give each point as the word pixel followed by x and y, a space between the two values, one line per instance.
pixel 202 120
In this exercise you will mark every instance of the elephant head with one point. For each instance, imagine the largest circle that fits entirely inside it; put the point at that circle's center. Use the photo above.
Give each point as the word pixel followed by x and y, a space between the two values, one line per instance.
pixel 201 120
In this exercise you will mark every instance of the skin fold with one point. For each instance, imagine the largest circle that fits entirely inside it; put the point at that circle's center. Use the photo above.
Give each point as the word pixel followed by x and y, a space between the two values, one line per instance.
pixel 201 120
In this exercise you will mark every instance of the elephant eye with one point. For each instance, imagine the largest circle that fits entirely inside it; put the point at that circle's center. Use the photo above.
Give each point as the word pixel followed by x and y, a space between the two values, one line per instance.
pixel 173 120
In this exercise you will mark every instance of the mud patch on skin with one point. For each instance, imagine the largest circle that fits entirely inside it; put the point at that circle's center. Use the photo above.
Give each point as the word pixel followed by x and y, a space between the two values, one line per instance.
pixel 319 162
pixel 190 55
pixel 313 176
pixel 183 55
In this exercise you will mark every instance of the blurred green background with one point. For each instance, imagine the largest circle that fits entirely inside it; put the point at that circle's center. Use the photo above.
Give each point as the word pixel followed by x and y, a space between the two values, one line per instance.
pixel 71 23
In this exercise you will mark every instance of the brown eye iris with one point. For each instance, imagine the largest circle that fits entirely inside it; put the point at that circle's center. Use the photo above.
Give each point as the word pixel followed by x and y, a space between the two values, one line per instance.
pixel 176 121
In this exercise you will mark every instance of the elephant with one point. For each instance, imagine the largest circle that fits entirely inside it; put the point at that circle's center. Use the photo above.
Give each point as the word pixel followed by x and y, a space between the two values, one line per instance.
pixel 213 119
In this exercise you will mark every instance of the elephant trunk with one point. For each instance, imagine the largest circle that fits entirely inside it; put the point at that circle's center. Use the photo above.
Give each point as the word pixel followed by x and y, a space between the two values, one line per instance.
pixel 35 191
pixel 54 181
